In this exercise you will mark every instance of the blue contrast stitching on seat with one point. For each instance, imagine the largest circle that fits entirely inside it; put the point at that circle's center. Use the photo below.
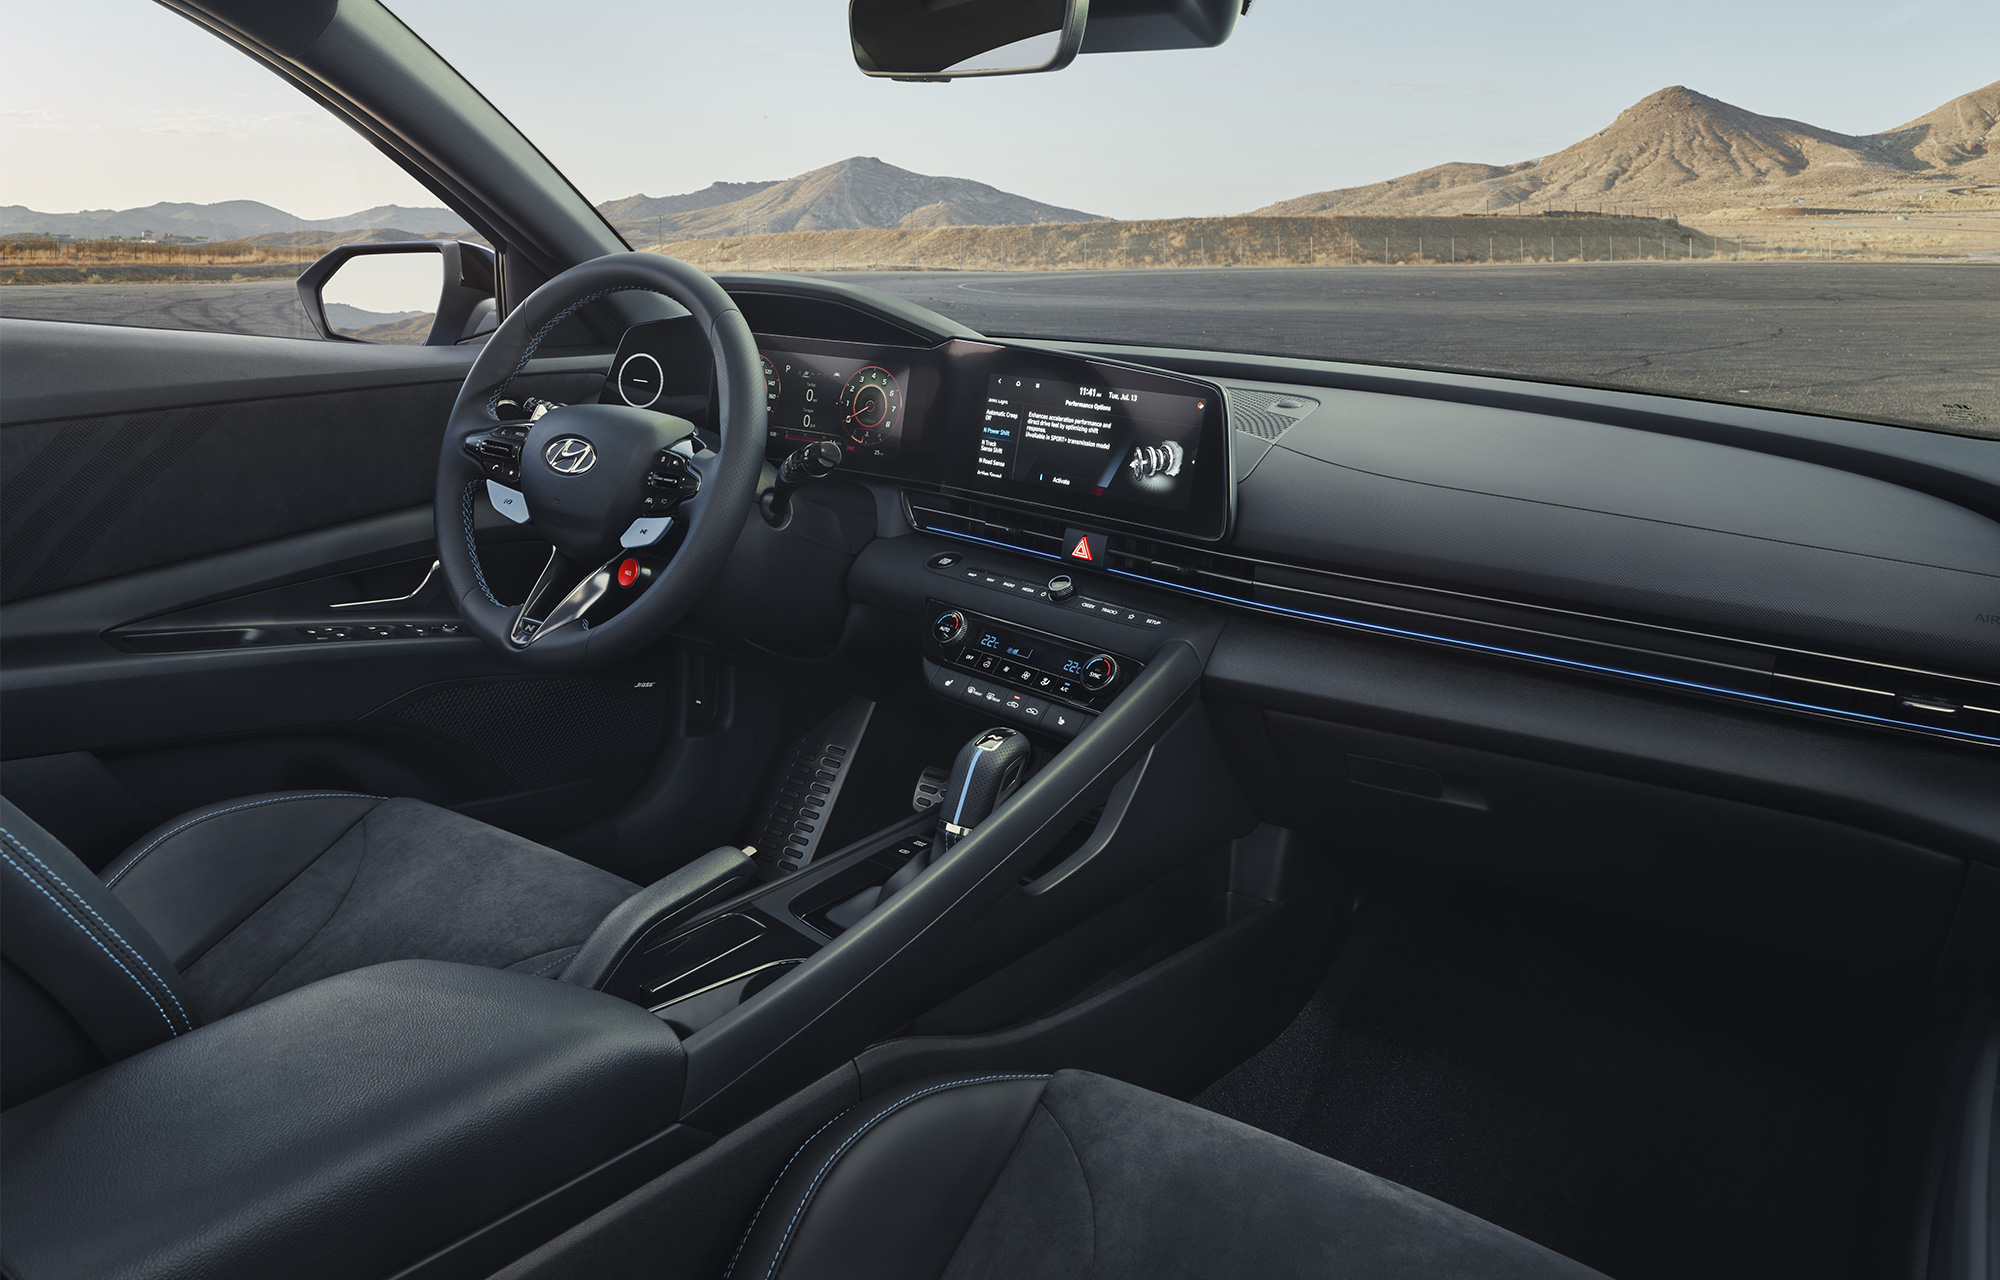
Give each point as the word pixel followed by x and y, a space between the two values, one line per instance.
pixel 471 547
pixel 171 1029
pixel 493 400
pixel 254 804
pixel 553 963
pixel 855 1137
pixel 735 1257
pixel 78 898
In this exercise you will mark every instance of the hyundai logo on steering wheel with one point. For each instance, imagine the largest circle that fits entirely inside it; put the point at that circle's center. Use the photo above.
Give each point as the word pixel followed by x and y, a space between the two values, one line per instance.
pixel 571 455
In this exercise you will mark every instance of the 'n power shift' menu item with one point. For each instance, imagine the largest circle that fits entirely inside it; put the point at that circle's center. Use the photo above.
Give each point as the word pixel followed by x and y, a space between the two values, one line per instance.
pixel 1089 441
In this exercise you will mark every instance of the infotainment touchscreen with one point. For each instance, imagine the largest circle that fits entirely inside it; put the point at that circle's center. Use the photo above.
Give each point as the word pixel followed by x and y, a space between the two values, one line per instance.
pixel 1105 441
pixel 1092 440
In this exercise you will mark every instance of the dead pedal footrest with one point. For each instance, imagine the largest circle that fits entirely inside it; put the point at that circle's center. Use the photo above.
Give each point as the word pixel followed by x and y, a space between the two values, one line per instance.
pixel 801 802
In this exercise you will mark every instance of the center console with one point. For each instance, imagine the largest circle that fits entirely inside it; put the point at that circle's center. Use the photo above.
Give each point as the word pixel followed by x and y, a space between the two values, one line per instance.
pixel 795 957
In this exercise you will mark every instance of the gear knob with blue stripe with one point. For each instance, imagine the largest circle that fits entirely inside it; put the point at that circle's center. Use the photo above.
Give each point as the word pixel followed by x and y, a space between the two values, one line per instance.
pixel 987 771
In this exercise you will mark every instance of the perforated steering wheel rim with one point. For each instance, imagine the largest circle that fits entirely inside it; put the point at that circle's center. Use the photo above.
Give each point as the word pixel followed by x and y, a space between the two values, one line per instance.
pixel 710 520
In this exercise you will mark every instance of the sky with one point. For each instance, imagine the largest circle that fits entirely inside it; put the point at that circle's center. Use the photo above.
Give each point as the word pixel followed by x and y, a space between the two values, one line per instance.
pixel 120 103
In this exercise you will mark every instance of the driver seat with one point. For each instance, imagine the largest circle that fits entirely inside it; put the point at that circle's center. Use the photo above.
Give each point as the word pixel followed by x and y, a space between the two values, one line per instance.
pixel 233 903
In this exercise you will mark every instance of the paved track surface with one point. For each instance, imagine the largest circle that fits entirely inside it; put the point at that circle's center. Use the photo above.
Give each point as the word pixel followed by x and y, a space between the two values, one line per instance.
pixel 269 307
pixel 1897 342
pixel 1911 343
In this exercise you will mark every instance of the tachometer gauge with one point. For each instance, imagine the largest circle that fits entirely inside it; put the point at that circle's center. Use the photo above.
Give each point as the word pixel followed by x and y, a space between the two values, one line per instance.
pixel 774 386
pixel 871 406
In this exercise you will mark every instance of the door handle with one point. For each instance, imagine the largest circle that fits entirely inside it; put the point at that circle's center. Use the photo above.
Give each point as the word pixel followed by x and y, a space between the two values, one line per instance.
pixel 411 598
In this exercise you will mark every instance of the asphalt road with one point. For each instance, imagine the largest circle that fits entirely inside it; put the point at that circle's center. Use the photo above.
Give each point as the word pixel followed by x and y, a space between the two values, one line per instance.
pixel 268 307
pixel 1898 342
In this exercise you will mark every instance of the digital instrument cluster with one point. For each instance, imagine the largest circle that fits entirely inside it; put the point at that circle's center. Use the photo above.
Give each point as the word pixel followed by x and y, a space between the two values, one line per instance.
pixel 856 402
pixel 1110 444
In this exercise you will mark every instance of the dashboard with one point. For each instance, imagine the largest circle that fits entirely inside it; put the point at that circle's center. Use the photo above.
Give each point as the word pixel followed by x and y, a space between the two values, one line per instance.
pixel 1108 443
pixel 1830 569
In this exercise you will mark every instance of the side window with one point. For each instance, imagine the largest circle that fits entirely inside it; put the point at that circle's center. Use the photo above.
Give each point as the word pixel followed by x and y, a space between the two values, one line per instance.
pixel 151 175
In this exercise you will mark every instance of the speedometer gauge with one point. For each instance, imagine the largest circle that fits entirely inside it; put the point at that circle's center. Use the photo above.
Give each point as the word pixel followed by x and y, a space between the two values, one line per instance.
pixel 871 406
pixel 774 386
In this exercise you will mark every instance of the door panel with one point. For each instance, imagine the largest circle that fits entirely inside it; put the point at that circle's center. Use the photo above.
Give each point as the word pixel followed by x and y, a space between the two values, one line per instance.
pixel 205 465
pixel 179 510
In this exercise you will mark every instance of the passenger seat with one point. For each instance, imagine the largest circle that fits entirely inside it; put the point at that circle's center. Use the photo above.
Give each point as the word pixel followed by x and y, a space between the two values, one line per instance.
pixel 1033 1177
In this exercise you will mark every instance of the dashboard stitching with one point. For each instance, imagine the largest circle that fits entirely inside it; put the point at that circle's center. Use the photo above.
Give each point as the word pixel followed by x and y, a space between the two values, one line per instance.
pixel 1623 515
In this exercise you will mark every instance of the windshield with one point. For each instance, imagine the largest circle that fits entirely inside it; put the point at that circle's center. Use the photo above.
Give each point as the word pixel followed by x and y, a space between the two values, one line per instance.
pixel 1720 202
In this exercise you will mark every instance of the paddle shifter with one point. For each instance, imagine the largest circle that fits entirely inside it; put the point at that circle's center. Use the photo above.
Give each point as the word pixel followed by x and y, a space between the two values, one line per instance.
pixel 988 770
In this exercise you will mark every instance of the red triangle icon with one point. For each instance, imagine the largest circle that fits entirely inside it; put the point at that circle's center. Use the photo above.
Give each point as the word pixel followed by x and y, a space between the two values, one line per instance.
pixel 1082 549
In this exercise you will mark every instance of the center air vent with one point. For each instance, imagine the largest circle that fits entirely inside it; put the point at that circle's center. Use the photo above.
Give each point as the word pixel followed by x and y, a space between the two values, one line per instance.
pixel 937 513
pixel 1266 414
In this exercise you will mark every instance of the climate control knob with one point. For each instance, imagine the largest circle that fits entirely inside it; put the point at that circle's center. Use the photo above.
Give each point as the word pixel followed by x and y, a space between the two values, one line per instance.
pixel 949 627
pixel 1100 672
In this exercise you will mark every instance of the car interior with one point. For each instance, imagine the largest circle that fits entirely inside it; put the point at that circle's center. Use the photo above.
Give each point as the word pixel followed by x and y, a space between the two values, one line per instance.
pixel 744 775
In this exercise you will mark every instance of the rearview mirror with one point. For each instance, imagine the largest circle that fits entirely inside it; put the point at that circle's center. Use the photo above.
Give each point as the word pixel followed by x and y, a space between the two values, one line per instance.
pixel 951 39
pixel 402 293
pixel 946 39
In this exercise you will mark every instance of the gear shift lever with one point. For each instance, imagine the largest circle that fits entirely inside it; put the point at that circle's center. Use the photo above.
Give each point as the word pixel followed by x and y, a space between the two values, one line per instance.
pixel 988 770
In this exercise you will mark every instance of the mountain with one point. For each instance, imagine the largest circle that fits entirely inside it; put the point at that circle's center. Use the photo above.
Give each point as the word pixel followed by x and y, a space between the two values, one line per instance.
pixel 1962 135
pixel 1685 150
pixel 857 192
pixel 638 208
pixel 227 220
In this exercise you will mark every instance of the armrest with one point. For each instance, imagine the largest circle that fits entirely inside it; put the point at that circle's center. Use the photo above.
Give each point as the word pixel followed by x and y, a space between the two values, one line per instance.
pixel 713 876
pixel 351 1127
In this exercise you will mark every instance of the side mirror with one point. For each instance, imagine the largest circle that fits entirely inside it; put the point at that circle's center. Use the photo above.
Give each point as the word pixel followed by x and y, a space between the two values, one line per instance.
pixel 403 293
pixel 951 39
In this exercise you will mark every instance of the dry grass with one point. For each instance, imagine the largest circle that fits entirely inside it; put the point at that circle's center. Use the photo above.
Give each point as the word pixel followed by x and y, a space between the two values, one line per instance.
pixel 21 253
pixel 1290 241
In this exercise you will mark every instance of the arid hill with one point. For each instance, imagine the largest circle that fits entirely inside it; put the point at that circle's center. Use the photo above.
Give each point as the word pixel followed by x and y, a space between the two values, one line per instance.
pixel 636 209
pixel 1685 151
pixel 853 193
pixel 224 220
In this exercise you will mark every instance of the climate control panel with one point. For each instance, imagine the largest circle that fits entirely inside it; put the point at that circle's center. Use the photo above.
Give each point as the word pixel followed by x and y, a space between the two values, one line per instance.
pixel 1040 678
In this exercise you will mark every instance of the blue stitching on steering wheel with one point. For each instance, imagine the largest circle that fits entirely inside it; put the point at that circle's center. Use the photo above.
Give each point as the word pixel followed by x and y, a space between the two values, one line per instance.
pixel 471 547
pixel 493 400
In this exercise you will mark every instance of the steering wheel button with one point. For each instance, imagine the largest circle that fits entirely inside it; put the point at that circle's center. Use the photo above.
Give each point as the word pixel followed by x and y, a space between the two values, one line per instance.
pixel 628 572
pixel 645 531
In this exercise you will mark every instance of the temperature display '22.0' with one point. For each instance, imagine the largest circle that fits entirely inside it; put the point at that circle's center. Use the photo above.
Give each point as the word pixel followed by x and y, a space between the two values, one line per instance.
pixel 871 406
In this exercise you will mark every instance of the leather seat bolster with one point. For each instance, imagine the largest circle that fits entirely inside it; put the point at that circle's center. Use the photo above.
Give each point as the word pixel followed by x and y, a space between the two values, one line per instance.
pixel 1073 1175
pixel 193 879
pixel 889 1187
pixel 80 945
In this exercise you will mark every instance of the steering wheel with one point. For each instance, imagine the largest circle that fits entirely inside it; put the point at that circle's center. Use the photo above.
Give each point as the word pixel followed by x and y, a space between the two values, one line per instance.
pixel 638 512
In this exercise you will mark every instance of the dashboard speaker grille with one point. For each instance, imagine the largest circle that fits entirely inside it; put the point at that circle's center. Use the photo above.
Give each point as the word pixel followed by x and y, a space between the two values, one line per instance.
pixel 1266 414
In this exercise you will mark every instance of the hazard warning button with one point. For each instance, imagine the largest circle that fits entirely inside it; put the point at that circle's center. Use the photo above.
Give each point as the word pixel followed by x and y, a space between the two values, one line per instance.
pixel 1080 547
